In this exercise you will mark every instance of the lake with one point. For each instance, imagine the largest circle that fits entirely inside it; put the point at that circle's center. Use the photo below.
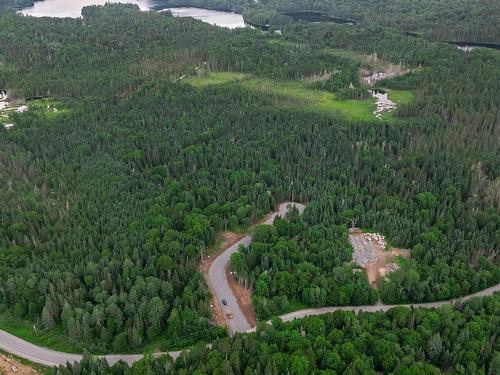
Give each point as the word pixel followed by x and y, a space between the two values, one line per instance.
pixel 72 8
pixel 65 8
pixel 213 17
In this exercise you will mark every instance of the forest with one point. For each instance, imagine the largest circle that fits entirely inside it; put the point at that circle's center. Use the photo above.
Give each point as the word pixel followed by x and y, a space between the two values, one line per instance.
pixel 15 4
pixel 401 341
pixel 294 260
pixel 452 20
pixel 116 186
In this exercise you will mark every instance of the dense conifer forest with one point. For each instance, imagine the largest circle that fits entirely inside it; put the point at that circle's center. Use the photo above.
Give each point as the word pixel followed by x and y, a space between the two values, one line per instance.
pixel 452 20
pixel 402 341
pixel 117 183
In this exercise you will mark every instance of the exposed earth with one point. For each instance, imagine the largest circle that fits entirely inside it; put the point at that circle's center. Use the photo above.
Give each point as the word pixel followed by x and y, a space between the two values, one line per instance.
pixel 370 253
pixel 9 365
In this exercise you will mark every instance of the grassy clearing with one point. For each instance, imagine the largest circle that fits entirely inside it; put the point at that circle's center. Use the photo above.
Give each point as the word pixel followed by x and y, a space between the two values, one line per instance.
pixel 293 94
pixel 401 96
pixel 49 107
pixel 53 339
pixel 215 78
pixel 313 99
pixel 347 54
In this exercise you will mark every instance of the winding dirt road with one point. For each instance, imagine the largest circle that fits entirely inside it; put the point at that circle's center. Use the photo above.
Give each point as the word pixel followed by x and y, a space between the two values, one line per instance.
pixel 220 287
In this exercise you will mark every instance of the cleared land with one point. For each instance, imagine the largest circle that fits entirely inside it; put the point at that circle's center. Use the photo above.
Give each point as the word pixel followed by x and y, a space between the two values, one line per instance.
pixel 370 252
pixel 9 365
pixel 49 108
pixel 215 78
pixel 298 95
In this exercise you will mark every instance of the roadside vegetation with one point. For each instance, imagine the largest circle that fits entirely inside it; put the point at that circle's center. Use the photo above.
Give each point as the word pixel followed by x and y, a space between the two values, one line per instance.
pixel 108 208
pixel 297 262
pixel 402 341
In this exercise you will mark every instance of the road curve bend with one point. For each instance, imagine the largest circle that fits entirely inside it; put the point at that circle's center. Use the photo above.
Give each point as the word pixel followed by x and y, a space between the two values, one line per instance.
pixel 49 357
pixel 217 278
pixel 220 287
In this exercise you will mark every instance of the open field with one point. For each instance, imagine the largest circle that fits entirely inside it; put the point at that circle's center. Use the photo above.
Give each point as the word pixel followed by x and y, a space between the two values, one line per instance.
pixel 215 78
pixel 298 95
pixel 49 108
pixel 401 96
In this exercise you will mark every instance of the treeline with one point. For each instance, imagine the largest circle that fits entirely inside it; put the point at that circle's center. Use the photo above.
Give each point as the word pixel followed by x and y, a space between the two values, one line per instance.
pixel 109 205
pixel 297 261
pixel 15 4
pixel 462 340
pixel 455 20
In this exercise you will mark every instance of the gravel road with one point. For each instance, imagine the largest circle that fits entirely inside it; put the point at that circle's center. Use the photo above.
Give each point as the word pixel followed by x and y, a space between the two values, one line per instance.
pixel 48 357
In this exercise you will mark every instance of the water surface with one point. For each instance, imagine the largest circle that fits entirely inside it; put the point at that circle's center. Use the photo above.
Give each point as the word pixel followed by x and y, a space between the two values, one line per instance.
pixel 213 17
pixel 73 9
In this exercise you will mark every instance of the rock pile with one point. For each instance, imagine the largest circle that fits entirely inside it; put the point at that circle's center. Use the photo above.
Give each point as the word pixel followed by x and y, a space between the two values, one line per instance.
pixel 391 267
pixel 377 238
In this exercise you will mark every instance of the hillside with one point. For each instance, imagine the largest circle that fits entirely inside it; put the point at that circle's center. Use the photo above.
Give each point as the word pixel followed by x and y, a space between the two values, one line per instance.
pixel 146 136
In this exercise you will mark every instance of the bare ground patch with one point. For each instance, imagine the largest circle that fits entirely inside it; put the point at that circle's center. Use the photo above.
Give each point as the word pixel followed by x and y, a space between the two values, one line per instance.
pixel 244 297
pixel 369 252
pixel 8 365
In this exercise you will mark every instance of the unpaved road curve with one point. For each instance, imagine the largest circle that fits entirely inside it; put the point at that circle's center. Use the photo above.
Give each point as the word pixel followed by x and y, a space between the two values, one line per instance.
pixel 217 278
pixel 380 306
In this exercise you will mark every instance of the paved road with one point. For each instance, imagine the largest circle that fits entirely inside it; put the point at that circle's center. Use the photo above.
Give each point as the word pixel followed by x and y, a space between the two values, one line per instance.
pixel 218 280
pixel 380 306
pixel 48 357
pixel 217 276
pixel 24 349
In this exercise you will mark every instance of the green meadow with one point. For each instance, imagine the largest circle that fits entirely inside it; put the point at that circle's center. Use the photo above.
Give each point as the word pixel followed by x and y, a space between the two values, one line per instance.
pixel 298 95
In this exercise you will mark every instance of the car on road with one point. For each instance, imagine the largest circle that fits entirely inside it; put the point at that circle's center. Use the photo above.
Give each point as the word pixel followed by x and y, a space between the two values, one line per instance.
pixel 224 302
pixel 229 315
